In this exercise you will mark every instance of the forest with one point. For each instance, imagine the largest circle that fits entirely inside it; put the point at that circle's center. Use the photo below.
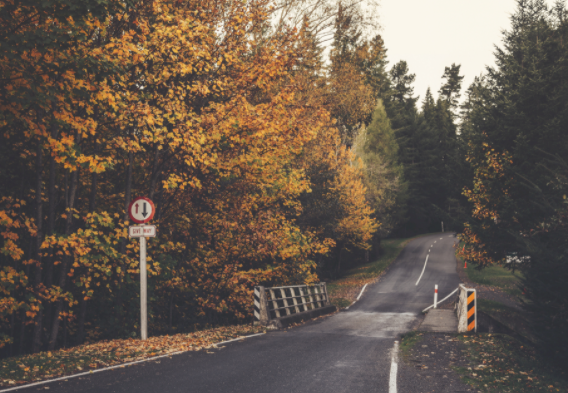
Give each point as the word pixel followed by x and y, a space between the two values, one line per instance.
pixel 279 146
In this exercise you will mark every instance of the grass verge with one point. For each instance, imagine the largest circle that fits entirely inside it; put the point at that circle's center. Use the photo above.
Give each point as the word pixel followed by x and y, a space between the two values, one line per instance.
pixel 496 276
pixel 47 365
pixel 344 291
pixel 501 363
pixel 407 342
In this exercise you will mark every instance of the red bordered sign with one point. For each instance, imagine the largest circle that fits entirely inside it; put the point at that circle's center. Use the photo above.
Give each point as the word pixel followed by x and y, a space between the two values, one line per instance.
pixel 141 210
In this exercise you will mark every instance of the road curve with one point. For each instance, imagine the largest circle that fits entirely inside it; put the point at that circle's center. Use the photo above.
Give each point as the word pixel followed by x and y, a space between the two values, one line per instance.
pixel 347 352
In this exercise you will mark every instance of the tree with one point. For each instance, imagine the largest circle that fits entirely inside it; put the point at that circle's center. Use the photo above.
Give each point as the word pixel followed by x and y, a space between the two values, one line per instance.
pixel 516 141
pixel 450 90
pixel 193 104
pixel 386 189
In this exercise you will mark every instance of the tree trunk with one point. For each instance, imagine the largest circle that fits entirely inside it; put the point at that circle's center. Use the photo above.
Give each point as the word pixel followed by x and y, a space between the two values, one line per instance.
pixel 94 179
pixel 82 317
pixel 50 229
pixel 36 341
pixel 92 207
pixel 171 310
pixel 12 332
pixel 155 174
pixel 22 333
pixel 339 260
pixel 127 195
pixel 66 258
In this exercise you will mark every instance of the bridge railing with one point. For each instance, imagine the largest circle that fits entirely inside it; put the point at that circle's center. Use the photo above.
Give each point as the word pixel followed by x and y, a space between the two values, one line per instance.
pixel 273 303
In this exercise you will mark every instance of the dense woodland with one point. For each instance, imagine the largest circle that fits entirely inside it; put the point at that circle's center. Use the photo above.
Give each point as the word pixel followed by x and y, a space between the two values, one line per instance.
pixel 270 159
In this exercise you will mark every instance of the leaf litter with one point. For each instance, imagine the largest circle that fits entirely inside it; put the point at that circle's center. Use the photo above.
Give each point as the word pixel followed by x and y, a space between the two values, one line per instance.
pixel 68 361
pixel 501 363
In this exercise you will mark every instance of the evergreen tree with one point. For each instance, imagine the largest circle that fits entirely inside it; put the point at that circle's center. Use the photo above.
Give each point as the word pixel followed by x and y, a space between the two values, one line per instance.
pixel 516 132
pixel 386 189
pixel 450 90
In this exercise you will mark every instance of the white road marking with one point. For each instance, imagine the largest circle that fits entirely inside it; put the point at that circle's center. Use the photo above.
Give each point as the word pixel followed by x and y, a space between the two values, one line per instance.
pixel 364 286
pixel 238 339
pixel 431 245
pixel 435 241
pixel 358 297
pixel 394 368
pixel 112 367
pixel 441 238
pixel 424 268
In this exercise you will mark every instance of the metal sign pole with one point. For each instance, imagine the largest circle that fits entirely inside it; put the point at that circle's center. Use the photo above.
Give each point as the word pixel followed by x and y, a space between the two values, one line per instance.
pixel 143 291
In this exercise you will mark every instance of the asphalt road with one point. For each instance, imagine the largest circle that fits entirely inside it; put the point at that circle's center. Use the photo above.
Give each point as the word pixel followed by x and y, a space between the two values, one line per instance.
pixel 347 352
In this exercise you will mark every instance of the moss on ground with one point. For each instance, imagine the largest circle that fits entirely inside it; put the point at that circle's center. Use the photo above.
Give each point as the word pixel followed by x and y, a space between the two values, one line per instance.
pixel 408 341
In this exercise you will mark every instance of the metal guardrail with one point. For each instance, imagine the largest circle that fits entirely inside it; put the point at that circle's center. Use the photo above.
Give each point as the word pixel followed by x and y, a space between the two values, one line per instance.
pixel 276 302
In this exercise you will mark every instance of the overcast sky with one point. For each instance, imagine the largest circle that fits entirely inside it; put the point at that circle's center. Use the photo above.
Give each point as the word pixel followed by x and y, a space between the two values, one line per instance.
pixel 433 34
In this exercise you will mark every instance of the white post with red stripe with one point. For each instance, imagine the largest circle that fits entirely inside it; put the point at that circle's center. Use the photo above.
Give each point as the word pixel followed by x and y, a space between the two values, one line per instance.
pixel 436 296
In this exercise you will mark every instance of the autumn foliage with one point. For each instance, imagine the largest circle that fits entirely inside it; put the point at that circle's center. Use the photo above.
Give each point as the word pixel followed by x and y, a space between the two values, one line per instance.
pixel 197 105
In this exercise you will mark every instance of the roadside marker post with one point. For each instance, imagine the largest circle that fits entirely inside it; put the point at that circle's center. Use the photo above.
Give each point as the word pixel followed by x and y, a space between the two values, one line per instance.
pixel 436 296
pixel 471 310
pixel 141 210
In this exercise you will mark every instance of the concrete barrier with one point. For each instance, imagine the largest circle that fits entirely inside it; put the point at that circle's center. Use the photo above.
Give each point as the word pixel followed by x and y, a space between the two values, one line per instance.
pixel 466 308
pixel 281 306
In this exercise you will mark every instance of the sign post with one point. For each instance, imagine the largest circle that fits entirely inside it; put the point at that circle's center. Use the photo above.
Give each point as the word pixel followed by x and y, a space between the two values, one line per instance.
pixel 141 210
pixel 143 291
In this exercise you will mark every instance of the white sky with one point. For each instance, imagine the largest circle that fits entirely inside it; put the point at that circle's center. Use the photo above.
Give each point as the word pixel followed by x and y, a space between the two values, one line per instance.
pixel 433 34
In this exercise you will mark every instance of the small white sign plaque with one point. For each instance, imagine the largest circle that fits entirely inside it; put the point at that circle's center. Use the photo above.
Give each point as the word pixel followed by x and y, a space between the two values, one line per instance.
pixel 142 231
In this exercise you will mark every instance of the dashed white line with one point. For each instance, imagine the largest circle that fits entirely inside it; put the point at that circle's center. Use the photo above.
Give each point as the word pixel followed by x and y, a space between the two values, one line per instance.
pixel 394 368
pixel 424 268
pixel 435 241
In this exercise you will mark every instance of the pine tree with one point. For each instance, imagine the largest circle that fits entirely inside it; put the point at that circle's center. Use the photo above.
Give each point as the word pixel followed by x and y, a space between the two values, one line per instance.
pixel 516 133
pixel 450 90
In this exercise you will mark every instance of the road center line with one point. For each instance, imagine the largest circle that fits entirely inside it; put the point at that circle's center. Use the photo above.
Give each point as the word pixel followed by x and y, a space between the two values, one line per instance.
pixel 424 268
pixel 435 241
pixel 394 368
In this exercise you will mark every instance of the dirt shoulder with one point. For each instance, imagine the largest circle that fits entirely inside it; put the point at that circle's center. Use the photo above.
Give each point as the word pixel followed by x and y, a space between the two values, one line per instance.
pixel 428 362
pixel 483 362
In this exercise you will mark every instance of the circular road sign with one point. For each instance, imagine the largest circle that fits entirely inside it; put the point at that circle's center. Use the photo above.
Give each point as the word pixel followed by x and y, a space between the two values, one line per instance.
pixel 141 210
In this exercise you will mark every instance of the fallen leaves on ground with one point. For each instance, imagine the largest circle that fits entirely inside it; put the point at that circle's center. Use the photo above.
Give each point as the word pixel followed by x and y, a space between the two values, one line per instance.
pixel 501 363
pixel 47 365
